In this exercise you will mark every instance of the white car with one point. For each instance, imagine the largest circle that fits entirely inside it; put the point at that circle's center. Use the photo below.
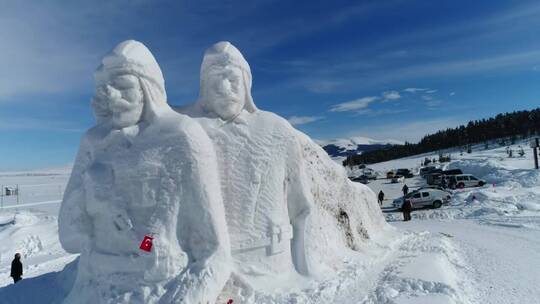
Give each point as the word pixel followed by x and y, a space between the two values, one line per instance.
pixel 370 173
pixel 398 179
pixel 465 180
pixel 424 198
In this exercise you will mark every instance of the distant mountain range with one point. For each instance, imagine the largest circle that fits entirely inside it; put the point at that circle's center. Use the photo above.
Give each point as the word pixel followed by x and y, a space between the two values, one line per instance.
pixel 343 147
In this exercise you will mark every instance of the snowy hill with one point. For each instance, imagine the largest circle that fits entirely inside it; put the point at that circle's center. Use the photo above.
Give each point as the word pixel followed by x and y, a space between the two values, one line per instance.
pixel 343 147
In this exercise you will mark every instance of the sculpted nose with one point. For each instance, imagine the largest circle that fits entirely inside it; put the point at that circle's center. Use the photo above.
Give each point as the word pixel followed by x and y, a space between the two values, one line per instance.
pixel 112 92
pixel 226 85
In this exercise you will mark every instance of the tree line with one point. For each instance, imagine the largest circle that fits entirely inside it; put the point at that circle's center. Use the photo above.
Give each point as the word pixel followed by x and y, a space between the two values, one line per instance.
pixel 505 128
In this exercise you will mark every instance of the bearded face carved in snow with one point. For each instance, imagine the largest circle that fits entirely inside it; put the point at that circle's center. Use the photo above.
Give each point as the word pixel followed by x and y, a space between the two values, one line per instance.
pixel 129 87
pixel 225 82
pixel 120 100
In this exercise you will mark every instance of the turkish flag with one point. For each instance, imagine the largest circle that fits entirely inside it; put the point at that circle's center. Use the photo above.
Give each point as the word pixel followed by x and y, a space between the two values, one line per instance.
pixel 146 243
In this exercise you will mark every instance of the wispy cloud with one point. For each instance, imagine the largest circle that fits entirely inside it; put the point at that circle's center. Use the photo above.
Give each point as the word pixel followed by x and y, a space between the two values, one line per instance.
pixel 391 95
pixel 302 120
pixel 354 105
pixel 452 94
pixel 433 104
pixel 414 90
pixel 373 113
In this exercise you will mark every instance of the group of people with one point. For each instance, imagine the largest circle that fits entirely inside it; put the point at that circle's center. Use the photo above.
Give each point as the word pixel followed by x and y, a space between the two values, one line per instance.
pixel 406 208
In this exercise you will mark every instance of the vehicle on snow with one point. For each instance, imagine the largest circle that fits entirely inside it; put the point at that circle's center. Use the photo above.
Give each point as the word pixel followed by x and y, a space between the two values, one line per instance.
pixel 436 178
pixel 424 198
pixel 370 173
pixel 360 179
pixel 398 179
pixel 465 180
pixel 427 170
pixel 405 172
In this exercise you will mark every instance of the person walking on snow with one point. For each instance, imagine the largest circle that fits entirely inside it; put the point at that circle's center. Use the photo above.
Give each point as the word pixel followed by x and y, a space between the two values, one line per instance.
pixel 405 190
pixel 407 209
pixel 381 198
pixel 16 268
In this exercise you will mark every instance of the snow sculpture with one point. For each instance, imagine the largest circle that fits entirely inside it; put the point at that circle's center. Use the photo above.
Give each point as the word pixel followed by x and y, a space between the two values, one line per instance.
pixel 144 170
pixel 276 214
pixel 265 203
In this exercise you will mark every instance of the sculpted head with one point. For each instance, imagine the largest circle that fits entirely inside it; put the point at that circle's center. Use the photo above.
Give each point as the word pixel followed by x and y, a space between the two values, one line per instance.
pixel 225 82
pixel 129 86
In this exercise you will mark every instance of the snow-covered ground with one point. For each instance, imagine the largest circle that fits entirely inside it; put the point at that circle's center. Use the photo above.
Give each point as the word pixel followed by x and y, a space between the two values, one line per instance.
pixel 483 247
pixel 484 243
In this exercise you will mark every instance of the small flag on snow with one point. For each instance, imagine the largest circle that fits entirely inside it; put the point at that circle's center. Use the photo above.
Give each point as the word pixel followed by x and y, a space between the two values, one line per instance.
pixel 146 243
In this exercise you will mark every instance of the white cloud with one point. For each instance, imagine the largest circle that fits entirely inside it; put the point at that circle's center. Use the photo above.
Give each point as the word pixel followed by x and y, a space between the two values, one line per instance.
pixel 433 103
pixel 414 90
pixel 370 112
pixel 354 105
pixel 427 97
pixel 391 95
pixel 452 93
pixel 431 91
pixel 302 120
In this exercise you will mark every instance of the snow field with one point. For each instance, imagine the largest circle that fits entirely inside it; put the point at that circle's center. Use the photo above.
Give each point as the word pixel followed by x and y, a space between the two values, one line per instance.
pixel 488 235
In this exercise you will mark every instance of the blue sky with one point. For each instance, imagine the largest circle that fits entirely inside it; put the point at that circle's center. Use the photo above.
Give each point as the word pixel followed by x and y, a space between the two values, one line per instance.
pixel 381 69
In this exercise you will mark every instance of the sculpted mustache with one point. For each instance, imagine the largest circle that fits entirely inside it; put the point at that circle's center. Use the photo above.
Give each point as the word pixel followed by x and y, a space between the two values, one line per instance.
pixel 120 104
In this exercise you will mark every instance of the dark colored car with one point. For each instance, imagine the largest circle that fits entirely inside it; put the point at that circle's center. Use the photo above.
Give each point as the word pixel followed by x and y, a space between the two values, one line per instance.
pixel 405 172
pixel 360 179
pixel 452 172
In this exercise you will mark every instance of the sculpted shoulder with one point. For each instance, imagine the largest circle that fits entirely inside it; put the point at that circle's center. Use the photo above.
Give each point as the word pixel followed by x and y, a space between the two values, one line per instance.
pixel 274 120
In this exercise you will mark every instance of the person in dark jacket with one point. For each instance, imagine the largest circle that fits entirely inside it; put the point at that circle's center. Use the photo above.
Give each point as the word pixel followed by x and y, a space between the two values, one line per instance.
pixel 381 197
pixel 405 190
pixel 443 182
pixel 407 209
pixel 16 268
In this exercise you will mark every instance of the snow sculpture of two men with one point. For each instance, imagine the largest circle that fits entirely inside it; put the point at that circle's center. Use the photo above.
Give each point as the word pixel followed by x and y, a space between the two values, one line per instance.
pixel 224 188
pixel 144 170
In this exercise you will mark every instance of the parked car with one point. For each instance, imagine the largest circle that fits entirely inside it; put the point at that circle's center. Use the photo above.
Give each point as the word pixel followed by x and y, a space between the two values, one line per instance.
pixel 370 173
pixel 426 170
pixel 424 198
pixel 360 179
pixel 433 171
pixel 466 180
pixel 436 188
pixel 390 174
pixel 452 172
pixel 432 178
pixel 398 179
pixel 405 172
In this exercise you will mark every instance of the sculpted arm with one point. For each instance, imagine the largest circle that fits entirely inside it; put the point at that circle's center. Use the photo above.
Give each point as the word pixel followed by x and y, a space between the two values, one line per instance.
pixel 300 204
pixel 72 219
pixel 202 229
